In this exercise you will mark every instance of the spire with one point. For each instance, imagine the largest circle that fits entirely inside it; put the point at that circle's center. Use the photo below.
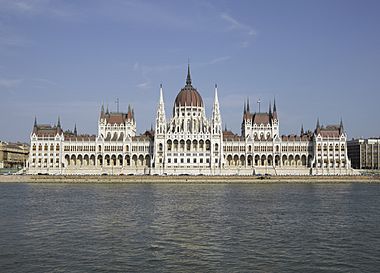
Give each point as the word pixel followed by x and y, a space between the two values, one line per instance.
pixel 302 131
pixel 270 109
pixel 102 109
pixel 161 95
pixel 248 105
pixel 107 112
pixel 59 122
pixel 318 125
pixel 188 79
pixel 341 128
pixel 274 110
pixel 216 100
pixel 75 130
pixel 245 108
pixel 35 121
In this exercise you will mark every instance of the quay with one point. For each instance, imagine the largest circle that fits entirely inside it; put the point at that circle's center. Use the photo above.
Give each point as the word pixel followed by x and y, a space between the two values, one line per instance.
pixel 141 179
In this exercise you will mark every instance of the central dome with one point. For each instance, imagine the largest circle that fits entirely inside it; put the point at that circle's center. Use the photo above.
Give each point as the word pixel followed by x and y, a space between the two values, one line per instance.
pixel 188 95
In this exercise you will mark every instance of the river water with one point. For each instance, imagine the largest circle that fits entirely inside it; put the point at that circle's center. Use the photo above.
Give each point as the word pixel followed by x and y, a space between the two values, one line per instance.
pixel 190 228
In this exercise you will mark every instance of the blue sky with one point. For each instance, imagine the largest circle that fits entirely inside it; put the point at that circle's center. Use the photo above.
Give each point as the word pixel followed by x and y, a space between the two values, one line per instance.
pixel 65 58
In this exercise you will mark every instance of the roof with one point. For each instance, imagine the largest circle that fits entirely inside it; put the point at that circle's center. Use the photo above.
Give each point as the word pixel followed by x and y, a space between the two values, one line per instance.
pixel 229 135
pixel 46 130
pixel 261 118
pixel 188 96
pixel 118 118
pixel 333 131
pixel 72 137
pixel 257 118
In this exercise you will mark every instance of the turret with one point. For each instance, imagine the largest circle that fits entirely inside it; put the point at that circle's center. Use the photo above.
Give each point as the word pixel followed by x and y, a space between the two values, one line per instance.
pixel 216 118
pixel 161 118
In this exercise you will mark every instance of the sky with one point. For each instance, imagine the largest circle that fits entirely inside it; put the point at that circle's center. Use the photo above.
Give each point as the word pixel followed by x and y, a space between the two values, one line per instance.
pixel 318 59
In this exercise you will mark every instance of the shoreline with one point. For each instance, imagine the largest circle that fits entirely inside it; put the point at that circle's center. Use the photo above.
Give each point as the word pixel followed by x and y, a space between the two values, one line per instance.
pixel 141 179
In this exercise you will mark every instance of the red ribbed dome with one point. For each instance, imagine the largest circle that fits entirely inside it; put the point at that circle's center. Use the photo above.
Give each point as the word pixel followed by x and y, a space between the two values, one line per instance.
pixel 188 95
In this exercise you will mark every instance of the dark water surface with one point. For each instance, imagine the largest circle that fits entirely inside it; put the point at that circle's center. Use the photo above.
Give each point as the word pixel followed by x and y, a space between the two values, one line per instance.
pixel 189 228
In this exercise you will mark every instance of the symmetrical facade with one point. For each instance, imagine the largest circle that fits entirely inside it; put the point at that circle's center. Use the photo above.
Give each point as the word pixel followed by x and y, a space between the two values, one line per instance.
pixel 189 143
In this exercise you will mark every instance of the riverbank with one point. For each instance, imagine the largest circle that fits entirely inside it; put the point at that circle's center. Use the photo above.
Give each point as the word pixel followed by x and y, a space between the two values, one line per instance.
pixel 186 179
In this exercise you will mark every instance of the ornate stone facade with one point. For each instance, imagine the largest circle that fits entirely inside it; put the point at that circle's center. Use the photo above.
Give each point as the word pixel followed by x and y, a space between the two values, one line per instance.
pixel 189 143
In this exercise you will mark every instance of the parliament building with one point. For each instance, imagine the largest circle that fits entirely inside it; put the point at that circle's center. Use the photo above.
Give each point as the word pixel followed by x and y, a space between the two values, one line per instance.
pixel 188 143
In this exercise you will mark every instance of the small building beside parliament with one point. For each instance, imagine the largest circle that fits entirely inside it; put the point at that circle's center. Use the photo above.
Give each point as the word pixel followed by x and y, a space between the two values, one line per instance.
pixel 364 153
pixel 189 143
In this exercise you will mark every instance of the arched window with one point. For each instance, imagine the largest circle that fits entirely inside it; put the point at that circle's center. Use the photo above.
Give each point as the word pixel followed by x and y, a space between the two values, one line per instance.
pixel 207 145
pixel 188 145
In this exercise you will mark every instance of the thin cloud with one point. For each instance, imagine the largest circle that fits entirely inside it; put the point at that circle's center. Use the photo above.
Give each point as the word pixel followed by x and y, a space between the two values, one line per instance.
pixel 236 25
pixel 9 83
pixel 50 8
pixel 217 60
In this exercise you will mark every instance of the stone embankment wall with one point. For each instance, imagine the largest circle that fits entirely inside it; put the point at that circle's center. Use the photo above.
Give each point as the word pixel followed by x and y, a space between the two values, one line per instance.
pixel 187 179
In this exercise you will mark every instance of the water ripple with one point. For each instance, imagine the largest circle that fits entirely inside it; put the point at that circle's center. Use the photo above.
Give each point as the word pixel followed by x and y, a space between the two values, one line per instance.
pixel 189 228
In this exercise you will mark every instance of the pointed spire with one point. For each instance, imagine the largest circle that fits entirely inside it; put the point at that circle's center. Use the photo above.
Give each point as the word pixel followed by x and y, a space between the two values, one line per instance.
pixel 75 130
pixel 216 100
pixel 248 105
pixel 59 122
pixel 245 108
pixel 35 121
pixel 318 125
pixel 102 109
pixel 188 78
pixel 274 106
pixel 107 111
pixel 161 95
pixel 270 109
pixel 302 131
pixel 341 128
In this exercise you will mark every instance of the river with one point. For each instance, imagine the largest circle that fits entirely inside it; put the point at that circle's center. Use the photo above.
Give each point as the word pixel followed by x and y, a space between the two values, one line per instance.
pixel 189 228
